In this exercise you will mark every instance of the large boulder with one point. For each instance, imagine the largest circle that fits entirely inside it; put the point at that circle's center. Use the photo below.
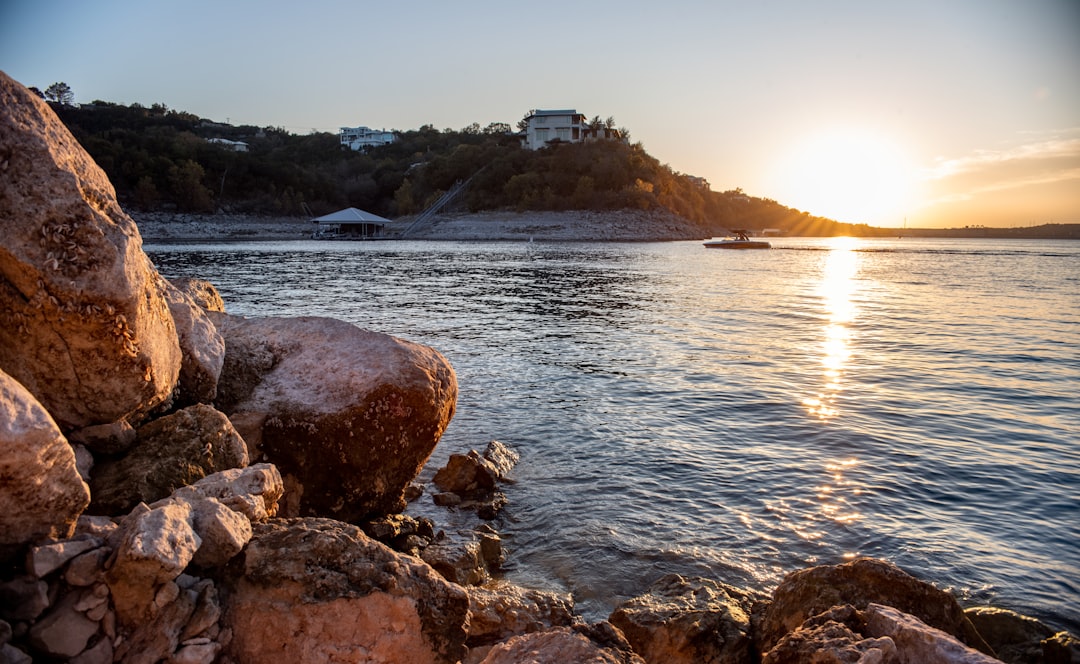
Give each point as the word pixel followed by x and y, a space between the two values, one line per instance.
pixel 688 620
pixel 317 590
pixel 41 495
pixel 202 346
pixel 85 326
pixel 916 642
pixel 348 416
pixel 171 452
pixel 809 592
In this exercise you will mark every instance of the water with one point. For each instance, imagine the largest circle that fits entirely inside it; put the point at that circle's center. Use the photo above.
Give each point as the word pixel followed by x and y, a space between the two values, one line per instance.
pixel 734 414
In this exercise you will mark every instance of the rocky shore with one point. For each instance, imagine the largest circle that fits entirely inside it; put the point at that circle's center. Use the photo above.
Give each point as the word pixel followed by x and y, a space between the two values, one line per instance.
pixel 576 226
pixel 187 486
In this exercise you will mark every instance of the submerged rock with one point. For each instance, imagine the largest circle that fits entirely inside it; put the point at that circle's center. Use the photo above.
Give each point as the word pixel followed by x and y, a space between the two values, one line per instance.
pixel 348 416
pixel 85 326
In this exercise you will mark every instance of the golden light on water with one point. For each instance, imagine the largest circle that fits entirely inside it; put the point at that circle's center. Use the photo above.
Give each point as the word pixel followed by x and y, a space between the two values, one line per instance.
pixel 836 290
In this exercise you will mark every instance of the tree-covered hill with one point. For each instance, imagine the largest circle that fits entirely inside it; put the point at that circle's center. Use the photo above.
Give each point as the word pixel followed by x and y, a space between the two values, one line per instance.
pixel 161 159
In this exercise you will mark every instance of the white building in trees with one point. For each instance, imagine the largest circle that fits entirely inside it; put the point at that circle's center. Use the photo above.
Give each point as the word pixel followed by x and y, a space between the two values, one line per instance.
pixel 359 138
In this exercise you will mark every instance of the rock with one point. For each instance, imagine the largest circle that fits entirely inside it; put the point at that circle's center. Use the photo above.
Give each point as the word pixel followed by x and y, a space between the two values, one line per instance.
pixel 469 475
pixel 823 640
pixel 41 495
pixel 348 416
pixel 1014 638
pixel 12 655
pixel 561 645
pixel 863 581
pixel 501 457
pixel 113 438
pixel 688 620
pixel 88 568
pixel 308 590
pixel 23 598
pixel 202 348
pixel 223 532
pixel 502 610
pixel 1061 648
pixel 85 327
pixel 252 491
pixel 157 546
pixel 462 560
pixel 63 632
pixel 100 653
pixel 151 641
pixel 918 643
pixel 201 292
pixel 47 558
pixel 172 451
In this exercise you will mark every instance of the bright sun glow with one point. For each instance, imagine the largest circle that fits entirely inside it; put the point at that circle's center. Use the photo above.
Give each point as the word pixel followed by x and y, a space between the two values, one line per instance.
pixel 850 176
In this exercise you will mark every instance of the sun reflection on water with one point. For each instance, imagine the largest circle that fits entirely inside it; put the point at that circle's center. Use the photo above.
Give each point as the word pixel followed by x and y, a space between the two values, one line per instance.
pixel 836 289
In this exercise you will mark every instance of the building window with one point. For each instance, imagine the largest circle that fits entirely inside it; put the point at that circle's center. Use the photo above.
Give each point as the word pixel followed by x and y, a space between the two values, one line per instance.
pixel 542 135
pixel 563 133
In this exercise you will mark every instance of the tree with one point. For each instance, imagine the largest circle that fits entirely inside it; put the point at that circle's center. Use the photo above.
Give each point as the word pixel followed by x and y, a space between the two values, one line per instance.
pixel 60 93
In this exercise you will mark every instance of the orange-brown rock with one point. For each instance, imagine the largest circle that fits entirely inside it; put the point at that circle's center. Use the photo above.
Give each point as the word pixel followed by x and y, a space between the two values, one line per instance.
pixel 84 325
pixel 808 592
pixel 317 590
pixel 41 493
pixel 348 416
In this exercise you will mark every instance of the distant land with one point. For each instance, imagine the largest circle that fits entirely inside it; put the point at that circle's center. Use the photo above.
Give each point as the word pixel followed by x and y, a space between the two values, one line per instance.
pixel 167 161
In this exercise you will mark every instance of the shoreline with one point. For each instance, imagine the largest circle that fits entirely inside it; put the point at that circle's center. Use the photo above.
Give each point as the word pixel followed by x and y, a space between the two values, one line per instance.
pixel 572 226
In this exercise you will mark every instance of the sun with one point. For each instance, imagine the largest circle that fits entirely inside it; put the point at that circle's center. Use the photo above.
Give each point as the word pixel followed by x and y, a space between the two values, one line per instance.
pixel 848 175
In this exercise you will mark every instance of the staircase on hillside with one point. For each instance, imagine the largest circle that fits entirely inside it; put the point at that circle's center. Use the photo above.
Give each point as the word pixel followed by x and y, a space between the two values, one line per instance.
pixel 440 203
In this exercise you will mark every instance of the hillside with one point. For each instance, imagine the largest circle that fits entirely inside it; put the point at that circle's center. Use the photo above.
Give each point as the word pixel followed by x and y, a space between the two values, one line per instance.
pixel 162 160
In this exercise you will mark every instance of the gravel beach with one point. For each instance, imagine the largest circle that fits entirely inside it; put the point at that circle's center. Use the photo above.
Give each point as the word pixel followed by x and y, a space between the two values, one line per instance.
pixel 575 226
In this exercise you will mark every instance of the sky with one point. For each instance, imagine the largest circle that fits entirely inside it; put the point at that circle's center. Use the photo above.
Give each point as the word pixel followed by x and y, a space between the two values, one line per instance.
pixel 929 113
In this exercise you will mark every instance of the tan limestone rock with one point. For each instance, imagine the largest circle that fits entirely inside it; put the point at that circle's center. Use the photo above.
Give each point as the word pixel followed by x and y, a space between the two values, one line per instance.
pixel 501 610
pixel 84 323
pixel 157 546
pixel 171 452
pixel 202 347
pixel 252 491
pixel 41 495
pixel 202 292
pixel 316 590
pixel 808 592
pixel 688 620
pixel 918 643
pixel 560 645
pixel 348 416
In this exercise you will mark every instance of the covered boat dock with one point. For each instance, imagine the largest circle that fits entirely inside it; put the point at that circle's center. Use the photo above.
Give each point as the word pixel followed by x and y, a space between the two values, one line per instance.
pixel 349 224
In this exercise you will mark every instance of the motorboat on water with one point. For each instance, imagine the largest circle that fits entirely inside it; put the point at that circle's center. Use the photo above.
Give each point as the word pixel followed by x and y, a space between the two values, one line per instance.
pixel 740 241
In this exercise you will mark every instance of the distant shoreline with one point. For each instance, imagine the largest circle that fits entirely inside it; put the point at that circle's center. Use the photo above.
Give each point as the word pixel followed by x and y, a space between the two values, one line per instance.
pixel 571 226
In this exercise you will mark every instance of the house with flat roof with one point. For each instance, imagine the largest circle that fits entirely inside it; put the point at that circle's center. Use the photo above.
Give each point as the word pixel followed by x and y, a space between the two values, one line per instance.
pixel 360 138
pixel 546 127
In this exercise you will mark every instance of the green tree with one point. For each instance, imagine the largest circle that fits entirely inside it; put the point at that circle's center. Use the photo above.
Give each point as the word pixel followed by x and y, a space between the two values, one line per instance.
pixel 60 93
pixel 186 181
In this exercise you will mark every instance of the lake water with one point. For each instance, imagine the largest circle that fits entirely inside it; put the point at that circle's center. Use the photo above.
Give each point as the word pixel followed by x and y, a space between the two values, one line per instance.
pixel 737 414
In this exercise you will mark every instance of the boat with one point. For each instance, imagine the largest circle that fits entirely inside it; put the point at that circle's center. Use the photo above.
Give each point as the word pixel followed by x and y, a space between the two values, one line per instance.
pixel 740 241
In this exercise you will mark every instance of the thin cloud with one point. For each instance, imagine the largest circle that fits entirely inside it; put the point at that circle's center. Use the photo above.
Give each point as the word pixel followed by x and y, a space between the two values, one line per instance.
pixel 1038 162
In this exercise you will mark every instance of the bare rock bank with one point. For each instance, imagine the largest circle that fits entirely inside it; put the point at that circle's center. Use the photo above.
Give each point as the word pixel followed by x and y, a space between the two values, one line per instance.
pixel 502 226
pixel 224 456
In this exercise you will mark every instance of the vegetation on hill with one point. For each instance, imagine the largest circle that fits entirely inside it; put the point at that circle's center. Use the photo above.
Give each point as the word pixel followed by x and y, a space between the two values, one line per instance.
pixel 161 159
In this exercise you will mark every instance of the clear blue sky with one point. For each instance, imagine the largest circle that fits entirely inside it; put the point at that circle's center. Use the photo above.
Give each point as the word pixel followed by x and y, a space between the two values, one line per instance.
pixel 943 112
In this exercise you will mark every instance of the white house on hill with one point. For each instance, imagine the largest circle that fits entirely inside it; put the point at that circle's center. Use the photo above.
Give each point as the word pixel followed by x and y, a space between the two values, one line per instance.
pixel 544 127
pixel 359 138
